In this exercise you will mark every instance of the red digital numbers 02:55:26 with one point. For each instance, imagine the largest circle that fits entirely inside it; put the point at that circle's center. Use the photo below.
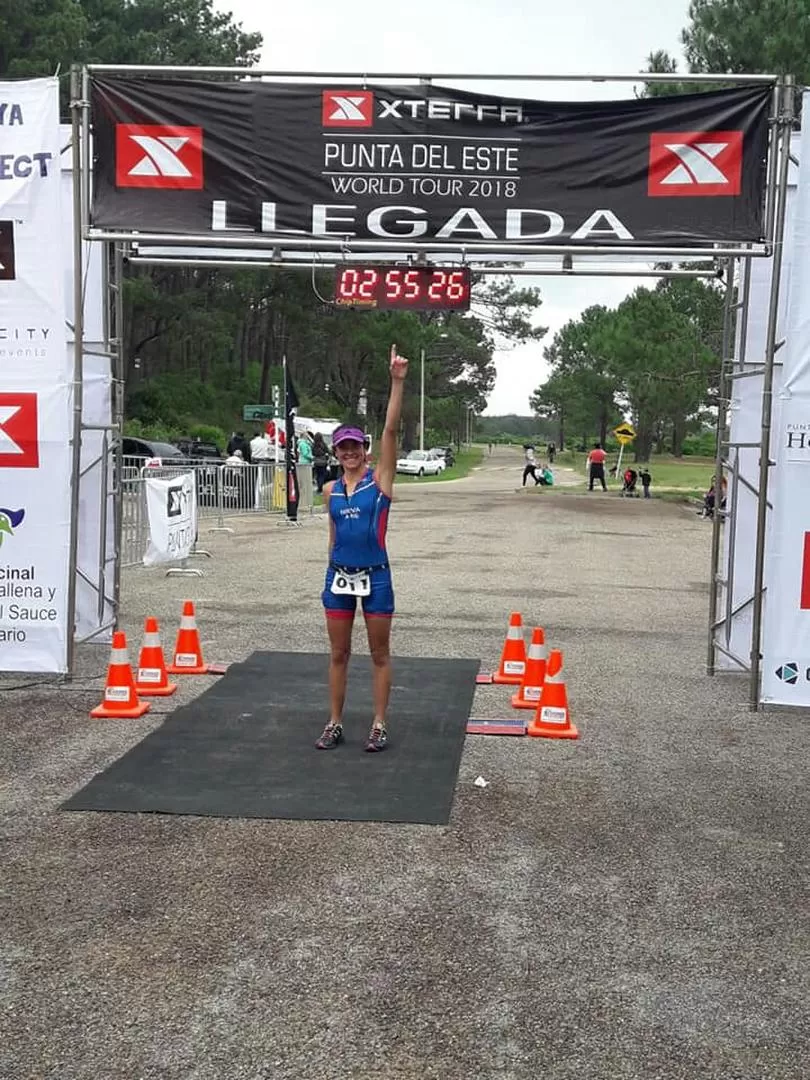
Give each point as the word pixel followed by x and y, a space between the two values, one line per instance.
pixel 403 287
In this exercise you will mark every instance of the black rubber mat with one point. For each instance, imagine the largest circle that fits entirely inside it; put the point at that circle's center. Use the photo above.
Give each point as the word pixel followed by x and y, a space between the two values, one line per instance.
pixel 245 747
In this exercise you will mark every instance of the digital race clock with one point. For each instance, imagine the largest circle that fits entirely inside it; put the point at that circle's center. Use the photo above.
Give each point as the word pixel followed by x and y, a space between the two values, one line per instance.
pixel 419 288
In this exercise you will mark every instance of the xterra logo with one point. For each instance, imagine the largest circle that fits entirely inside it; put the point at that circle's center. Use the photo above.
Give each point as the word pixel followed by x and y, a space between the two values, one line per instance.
pixel 177 501
pixel 695 163
pixel 7 251
pixel 19 443
pixel 158 156
pixel 360 108
pixel 348 108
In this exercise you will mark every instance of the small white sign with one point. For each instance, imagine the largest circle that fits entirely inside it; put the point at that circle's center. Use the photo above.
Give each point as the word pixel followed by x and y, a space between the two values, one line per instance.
pixel 172 509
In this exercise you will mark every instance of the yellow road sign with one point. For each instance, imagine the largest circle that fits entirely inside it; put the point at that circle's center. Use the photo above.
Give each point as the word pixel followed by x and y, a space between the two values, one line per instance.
pixel 625 433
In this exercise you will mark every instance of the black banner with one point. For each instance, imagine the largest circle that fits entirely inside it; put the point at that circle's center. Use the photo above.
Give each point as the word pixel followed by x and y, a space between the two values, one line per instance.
pixel 290 470
pixel 427 163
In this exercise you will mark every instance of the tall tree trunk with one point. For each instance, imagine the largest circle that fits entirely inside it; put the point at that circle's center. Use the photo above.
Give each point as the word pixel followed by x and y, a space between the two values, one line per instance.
pixel 603 425
pixel 237 356
pixel 267 342
pixel 561 433
pixel 645 437
pixel 409 433
pixel 678 435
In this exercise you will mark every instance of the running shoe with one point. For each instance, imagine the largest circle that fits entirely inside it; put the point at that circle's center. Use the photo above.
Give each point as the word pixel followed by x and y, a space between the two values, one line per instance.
pixel 331 736
pixel 377 740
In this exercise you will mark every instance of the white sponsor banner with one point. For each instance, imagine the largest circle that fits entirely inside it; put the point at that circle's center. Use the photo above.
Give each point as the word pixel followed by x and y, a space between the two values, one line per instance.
pixel 34 530
pixel 745 420
pixel 786 639
pixel 786 629
pixel 32 307
pixel 35 385
pixel 172 509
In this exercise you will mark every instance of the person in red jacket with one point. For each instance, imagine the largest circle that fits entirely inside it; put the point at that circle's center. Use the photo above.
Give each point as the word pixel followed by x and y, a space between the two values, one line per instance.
pixel 596 466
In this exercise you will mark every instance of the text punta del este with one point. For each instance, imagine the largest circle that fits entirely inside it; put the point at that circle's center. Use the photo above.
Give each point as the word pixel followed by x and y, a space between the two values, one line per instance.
pixel 484 171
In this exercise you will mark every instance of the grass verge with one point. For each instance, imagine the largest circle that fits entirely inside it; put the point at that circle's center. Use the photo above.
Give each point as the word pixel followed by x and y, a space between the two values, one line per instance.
pixel 466 461
pixel 681 475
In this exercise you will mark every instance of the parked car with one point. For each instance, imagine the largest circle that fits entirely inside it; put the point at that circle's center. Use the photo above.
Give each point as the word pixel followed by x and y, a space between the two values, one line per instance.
pixel 420 463
pixel 445 452
pixel 137 451
pixel 199 450
pixel 141 452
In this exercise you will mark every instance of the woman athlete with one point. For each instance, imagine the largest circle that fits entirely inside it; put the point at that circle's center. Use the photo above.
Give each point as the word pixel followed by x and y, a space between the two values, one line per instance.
pixel 357 505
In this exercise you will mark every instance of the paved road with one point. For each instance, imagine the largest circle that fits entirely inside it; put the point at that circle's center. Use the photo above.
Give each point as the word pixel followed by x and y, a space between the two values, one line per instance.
pixel 630 906
pixel 502 470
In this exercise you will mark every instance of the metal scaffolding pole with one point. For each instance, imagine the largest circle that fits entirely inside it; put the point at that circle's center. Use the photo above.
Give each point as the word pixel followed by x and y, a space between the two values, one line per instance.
pixel 486 271
pixel 722 421
pixel 262 73
pixel 78 107
pixel 458 250
pixel 735 369
pixel 116 313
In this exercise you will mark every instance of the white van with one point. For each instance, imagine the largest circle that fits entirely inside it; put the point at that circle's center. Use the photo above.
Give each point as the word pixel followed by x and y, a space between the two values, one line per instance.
pixel 324 426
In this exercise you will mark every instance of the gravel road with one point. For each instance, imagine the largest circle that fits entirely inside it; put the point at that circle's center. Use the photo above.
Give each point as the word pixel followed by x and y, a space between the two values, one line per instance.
pixel 629 906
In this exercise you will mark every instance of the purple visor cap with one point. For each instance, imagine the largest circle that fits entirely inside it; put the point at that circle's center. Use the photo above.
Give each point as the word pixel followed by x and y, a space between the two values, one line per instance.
pixel 344 433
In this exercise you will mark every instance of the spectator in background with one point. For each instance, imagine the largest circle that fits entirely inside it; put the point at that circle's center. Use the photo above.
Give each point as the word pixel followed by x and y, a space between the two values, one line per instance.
pixel 240 443
pixel 710 498
pixel 708 501
pixel 552 450
pixel 260 447
pixel 530 466
pixel 596 466
pixel 305 448
pixel 646 480
pixel 261 453
pixel 320 459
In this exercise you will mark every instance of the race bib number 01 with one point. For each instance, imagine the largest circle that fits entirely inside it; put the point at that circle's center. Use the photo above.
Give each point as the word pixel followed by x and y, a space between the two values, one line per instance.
pixel 352 584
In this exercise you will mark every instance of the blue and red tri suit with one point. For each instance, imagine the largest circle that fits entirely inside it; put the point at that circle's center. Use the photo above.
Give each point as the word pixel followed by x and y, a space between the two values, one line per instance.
pixel 360 522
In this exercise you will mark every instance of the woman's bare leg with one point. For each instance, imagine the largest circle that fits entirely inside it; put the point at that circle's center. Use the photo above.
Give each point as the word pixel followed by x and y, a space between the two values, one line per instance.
pixel 340 642
pixel 379 643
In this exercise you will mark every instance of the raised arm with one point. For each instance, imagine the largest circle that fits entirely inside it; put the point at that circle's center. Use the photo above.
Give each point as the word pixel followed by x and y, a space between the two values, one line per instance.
pixel 387 463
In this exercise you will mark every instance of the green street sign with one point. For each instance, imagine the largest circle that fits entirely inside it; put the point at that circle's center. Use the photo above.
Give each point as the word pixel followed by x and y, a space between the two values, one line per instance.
pixel 258 412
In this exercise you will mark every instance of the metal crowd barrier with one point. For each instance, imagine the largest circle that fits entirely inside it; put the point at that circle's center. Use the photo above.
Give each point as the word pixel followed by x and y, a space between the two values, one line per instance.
pixel 223 491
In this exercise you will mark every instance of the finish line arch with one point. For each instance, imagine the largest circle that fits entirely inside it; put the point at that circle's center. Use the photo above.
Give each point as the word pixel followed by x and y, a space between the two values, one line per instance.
pixel 344 168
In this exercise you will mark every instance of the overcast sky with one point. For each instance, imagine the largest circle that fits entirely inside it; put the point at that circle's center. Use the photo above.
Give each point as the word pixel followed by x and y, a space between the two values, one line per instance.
pixel 508 37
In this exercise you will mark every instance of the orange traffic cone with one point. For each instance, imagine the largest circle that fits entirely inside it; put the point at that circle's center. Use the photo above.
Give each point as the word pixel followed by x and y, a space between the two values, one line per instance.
pixel 552 719
pixel 151 679
pixel 532 686
pixel 120 695
pixel 188 658
pixel 513 658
